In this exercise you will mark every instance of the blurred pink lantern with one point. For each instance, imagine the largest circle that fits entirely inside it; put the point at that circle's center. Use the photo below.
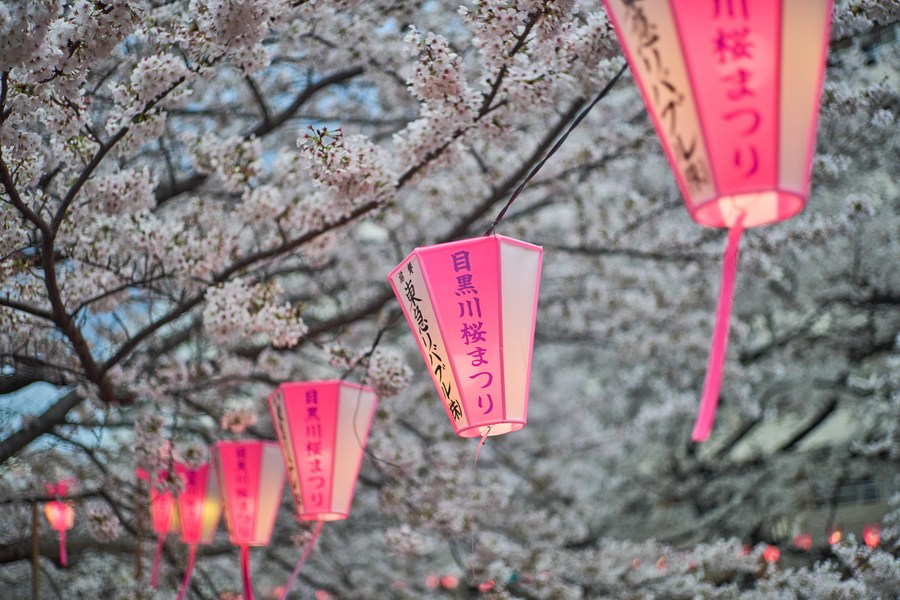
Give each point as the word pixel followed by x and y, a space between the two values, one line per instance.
pixel 322 427
pixel 732 87
pixel 60 513
pixel 803 541
pixel 771 554
pixel 163 515
pixel 872 535
pixel 200 507
pixel 251 475
pixel 471 306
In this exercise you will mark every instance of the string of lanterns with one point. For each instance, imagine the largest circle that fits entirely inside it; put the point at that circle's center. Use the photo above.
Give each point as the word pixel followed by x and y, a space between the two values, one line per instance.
pixel 733 91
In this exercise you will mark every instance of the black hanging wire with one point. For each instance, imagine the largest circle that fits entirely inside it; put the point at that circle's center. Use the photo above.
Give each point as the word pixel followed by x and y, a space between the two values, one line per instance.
pixel 602 94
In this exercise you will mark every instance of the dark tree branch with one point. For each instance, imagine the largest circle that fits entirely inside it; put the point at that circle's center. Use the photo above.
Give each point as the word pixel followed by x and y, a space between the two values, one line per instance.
pixel 53 416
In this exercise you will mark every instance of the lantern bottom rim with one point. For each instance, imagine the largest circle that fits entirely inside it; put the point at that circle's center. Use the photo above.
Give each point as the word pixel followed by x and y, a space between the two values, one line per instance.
pixel 759 208
pixel 496 428
pixel 323 516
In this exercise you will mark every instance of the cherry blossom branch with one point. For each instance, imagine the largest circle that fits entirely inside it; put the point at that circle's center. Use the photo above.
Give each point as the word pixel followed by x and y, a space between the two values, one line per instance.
pixel 44 423
pixel 263 128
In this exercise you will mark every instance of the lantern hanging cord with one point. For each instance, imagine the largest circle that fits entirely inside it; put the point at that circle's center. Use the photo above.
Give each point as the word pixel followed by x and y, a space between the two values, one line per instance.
pixel 584 113
pixel 62 548
pixel 307 550
pixel 157 558
pixel 245 572
pixel 719 346
pixel 188 571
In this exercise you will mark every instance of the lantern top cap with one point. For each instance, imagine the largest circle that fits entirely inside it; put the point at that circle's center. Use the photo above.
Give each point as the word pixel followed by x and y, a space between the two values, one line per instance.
pixel 493 238
pixel 322 383
pixel 245 443
pixel 482 238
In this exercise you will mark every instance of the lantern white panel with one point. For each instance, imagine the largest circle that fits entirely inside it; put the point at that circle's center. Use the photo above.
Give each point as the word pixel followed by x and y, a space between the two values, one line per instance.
pixel 410 282
pixel 211 509
pixel 286 438
pixel 356 408
pixel 805 34
pixel 271 485
pixel 654 52
pixel 520 274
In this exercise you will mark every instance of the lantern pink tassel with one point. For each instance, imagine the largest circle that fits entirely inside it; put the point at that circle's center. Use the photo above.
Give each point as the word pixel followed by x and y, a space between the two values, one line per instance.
pixel 160 542
pixel 307 550
pixel 189 570
pixel 245 572
pixel 62 548
pixel 710 401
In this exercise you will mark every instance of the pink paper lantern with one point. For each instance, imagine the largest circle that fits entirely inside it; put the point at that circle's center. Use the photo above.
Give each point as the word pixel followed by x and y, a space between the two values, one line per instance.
pixel 163 515
pixel 200 508
pixel 803 541
pixel 771 554
pixel 251 475
pixel 733 88
pixel 322 427
pixel 471 306
pixel 60 513
pixel 872 535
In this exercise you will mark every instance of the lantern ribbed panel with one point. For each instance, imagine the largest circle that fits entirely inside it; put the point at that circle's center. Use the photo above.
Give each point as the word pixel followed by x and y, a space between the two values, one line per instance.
pixel 251 476
pixel 199 503
pixel 471 306
pixel 322 427
pixel 732 87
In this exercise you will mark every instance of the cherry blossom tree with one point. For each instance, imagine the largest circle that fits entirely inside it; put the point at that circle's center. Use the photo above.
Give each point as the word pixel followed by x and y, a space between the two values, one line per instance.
pixel 200 199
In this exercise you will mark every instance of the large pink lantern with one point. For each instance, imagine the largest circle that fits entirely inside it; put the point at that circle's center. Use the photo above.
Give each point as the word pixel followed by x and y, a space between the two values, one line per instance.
pixel 733 89
pixel 251 475
pixel 199 508
pixel 471 305
pixel 162 514
pixel 60 513
pixel 322 427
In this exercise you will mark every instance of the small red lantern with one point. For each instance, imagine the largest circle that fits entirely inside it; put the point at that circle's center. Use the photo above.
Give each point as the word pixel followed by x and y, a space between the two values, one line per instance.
pixel 771 554
pixel 200 508
pixel 60 513
pixel 803 541
pixel 251 474
pixel 835 536
pixel 162 514
pixel 732 87
pixel 471 305
pixel 872 535
pixel 322 428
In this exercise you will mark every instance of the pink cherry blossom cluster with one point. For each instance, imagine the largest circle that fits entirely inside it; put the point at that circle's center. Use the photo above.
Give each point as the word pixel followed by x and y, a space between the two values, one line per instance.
pixel 238 309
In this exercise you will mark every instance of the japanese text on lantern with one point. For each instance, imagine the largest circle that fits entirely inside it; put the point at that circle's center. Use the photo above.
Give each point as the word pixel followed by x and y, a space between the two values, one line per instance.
pixel 471 329
pixel 436 362
pixel 243 510
pixel 281 422
pixel 733 49
pixel 665 94
pixel 314 450
pixel 192 506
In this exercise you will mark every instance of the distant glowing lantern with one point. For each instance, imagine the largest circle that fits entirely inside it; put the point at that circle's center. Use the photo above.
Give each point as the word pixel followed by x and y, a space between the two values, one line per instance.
pixel 450 582
pixel 803 541
pixel 60 513
pixel 251 475
pixel 732 87
pixel 771 554
pixel 163 515
pixel 471 305
pixel 872 535
pixel 200 508
pixel 835 536
pixel 322 427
